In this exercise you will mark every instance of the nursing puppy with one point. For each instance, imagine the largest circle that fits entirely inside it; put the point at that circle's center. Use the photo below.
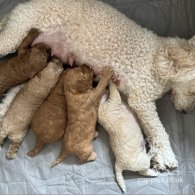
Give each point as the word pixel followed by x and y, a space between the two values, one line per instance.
pixel 16 121
pixel 82 109
pixel 49 121
pixel 28 62
pixel 125 135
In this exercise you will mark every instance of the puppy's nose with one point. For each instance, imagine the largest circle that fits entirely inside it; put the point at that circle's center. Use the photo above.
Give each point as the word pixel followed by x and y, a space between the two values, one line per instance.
pixel 184 112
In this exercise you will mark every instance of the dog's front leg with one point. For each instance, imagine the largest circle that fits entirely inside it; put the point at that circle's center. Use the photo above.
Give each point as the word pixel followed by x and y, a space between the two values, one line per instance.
pixel 160 149
pixel 15 27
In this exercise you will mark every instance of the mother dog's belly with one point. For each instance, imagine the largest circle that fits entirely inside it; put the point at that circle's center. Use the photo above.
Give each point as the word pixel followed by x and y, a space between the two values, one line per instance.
pixel 71 47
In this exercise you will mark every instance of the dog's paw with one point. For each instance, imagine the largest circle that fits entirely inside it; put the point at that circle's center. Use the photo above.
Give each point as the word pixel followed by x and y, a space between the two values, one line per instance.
pixel 163 160
pixel 96 134
pixel 107 71
pixel 32 153
pixel 150 172
pixel 92 157
pixel 11 155
pixel 34 32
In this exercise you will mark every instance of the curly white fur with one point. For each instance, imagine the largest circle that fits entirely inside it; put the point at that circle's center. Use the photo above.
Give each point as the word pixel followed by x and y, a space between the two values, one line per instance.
pixel 99 35
pixel 125 135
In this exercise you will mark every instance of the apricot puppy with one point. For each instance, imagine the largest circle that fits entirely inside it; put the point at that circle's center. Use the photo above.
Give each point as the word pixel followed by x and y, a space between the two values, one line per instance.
pixel 82 109
pixel 28 62
pixel 49 121
pixel 16 121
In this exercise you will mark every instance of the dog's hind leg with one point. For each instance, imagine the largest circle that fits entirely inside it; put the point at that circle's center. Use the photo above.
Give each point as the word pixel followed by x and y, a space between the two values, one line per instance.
pixel 119 177
pixel 16 139
pixel 13 147
pixel 38 147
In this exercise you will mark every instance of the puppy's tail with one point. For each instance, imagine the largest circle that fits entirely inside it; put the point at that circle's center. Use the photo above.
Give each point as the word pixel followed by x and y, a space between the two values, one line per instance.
pixel 59 159
pixel 119 177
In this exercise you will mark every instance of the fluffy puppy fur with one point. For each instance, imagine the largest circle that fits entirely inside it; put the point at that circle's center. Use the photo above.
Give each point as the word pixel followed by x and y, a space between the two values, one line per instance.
pixel 16 121
pixel 82 109
pixel 7 100
pixel 29 61
pixel 125 135
pixel 49 122
pixel 148 65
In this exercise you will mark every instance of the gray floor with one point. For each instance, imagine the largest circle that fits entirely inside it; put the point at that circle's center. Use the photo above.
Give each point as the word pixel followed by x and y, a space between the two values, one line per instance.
pixel 25 175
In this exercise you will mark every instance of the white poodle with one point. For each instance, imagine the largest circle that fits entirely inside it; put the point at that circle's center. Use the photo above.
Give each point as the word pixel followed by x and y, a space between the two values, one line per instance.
pixel 125 135
pixel 97 34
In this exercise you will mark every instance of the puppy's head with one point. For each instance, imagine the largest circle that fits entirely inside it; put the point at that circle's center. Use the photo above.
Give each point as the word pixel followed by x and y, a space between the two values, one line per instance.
pixel 79 79
pixel 38 59
pixel 41 48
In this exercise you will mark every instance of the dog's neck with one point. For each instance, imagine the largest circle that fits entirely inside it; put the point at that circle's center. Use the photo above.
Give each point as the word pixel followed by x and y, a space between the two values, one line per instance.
pixel 167 42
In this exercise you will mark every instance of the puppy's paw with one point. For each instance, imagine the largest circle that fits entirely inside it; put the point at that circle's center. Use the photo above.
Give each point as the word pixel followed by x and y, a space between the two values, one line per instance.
pixel 32 153
pixel 11 155
pixel 107 72
pixel 150 172
pixel 92 157
pixel 34 32
pixel 96 134
pixel 116 79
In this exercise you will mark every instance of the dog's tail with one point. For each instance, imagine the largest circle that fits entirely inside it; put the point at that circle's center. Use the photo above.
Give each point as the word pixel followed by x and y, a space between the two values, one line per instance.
pixel 119 177
pixel 59 159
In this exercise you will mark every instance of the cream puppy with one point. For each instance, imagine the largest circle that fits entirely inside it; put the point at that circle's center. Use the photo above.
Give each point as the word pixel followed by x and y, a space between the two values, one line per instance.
pixel 125 135
pixel 16 121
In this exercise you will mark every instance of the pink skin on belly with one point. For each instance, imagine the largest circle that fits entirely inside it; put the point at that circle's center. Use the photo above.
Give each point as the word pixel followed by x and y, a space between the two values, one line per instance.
pixel 56 41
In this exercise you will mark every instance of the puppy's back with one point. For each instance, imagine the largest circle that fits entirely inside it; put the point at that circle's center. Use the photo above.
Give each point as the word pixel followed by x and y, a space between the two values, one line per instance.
pixel 49 121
